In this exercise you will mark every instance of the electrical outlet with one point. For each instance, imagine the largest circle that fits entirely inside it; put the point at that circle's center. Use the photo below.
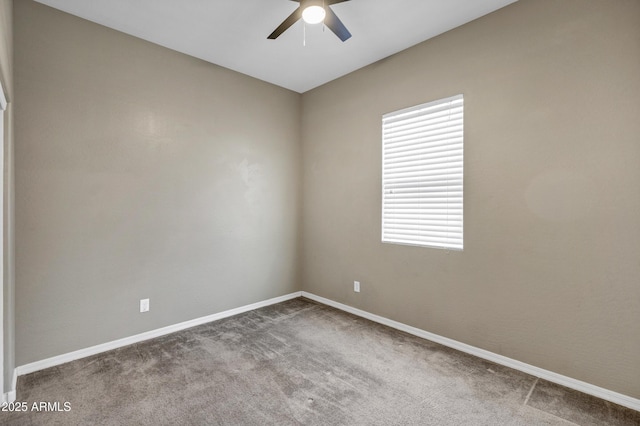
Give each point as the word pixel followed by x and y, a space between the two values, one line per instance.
pixel 356 286
pixel 144 305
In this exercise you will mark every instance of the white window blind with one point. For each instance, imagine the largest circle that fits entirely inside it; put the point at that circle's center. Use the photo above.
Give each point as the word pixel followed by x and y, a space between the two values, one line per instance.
pixel 422 175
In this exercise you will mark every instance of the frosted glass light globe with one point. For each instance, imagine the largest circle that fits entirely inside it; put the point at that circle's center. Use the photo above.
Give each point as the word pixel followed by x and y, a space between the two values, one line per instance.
pixel 313 14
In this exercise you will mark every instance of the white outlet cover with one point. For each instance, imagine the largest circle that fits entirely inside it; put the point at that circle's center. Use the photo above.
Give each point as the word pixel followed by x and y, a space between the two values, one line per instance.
pixel 144 305
pixel 356 286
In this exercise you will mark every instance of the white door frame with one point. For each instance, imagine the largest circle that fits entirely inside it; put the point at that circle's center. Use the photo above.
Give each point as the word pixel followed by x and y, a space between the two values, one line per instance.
pixel 3 107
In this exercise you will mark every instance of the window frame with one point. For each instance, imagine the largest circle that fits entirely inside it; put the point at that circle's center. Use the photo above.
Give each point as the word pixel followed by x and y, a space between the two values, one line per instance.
pixel 425 213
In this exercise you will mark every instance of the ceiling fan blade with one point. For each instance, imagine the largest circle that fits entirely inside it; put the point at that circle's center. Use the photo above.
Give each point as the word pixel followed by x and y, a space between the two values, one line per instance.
pixel 292 19
pixel 335 24
pixel 330 2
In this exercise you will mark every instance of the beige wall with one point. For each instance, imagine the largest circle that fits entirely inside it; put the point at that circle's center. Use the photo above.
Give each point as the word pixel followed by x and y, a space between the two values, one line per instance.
pixel 6 44
pixel 142 173
pixel 6 77
pixel 550 272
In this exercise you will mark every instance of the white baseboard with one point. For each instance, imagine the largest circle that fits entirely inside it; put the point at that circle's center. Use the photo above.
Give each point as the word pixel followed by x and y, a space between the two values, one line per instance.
pixel 615 397
pixel 93 350
pixel 10 396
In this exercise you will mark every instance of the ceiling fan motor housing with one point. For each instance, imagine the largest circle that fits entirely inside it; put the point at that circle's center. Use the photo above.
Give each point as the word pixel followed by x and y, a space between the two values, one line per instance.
pixel 306 3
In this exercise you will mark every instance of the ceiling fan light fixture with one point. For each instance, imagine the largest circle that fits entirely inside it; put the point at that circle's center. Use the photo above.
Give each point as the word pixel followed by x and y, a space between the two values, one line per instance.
pixel 313 14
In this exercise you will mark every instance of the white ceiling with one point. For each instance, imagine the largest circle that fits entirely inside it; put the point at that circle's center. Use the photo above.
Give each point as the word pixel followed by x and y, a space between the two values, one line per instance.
pixel 233 33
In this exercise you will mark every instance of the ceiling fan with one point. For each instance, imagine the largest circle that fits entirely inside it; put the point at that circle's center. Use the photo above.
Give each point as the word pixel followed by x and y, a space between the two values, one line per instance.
pixel 314 12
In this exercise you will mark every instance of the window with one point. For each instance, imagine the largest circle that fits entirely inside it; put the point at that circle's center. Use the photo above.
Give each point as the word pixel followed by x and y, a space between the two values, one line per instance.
pixel 422 165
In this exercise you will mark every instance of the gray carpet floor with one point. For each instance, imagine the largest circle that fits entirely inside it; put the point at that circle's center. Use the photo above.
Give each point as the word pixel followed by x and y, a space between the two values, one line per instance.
pixel 300 362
